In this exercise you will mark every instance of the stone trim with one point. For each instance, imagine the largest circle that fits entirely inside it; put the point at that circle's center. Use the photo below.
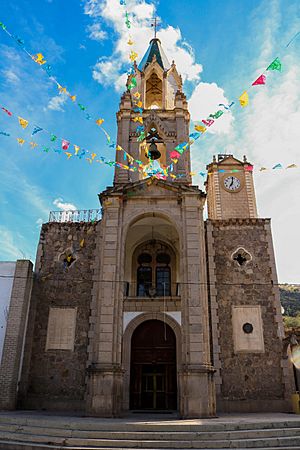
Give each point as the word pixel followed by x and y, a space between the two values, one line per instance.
pixel 286 367
pixel 13 347
pixel 126 350
pixel 214 319
pixel 238 222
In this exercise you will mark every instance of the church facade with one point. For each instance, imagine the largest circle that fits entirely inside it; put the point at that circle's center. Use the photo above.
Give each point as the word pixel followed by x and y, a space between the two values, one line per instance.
pixel 153 308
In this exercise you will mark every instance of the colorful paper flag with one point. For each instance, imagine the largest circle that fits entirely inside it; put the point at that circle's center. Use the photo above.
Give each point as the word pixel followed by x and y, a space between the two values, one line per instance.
pixel 23 122
pixel 73 98
pixel 217 114
pixel 53 138
pixel 291 166
pixel 39 59
pixel 275 65
pixel 3 133
pixel 277 166
pixel 99 122
pixel 260 80
pixel 36 129
pixel 133 56
pixel 76 148
pixel 65 144
pixel 6 111
pixel 20 141
pixel 244 99
pixel 208 122
pixel 33 144
pixel 200 128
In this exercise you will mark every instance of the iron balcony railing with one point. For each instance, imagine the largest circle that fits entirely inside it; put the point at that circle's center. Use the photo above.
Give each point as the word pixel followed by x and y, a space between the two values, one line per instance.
pixel 83 215
pixel 149 290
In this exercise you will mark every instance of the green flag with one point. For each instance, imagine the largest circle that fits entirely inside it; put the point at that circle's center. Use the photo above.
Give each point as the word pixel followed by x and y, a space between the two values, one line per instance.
pixel 275 65
pixel 217 114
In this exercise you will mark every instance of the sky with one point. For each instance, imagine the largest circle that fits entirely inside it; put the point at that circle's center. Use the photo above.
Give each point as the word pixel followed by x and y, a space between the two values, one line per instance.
pixel 219 48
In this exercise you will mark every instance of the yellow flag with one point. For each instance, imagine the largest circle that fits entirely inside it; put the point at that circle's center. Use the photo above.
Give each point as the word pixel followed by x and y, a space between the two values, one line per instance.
pixel 68 154
pixel 76 148
pixel 291 166
pixel 39 58
pixel 138 119
pixel 23 122
pixel 133 56
pixel 200 128
pixel 93 155
pixel 33 144
pixel 262 169
pixel 139 104
pixel 20 141
pixel 99 122
pixel 244 99
pixel 130 42
pixel 73 98
pixel 137 95
pixel 119 147
pixel 62 90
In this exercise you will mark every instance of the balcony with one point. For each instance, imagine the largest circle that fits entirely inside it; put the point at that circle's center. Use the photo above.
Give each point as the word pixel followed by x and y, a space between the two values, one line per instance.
pixel 83 215
pixel 144 291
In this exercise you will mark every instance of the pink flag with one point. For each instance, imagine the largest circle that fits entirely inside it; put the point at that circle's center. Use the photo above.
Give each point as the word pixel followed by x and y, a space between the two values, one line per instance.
pixel 65 144
pixel 207 122
pixel 174 154
pixel 260 80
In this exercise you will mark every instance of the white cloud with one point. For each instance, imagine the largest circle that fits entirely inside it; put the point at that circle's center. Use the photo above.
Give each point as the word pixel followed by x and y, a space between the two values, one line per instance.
pixel 39 222
pixel 204 101
pixel 59 202
pixel 111 69
pixel 10 76
pixel 8 245
pixel 67 209
pixel 56 102
pixel 96 33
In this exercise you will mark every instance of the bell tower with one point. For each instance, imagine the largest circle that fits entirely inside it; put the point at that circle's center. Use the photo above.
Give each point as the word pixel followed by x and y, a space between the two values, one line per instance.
pixel 158 106
pixel 230 189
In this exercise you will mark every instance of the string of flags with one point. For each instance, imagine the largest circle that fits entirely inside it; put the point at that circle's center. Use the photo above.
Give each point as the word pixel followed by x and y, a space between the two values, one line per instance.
pixel 39 59
pixel 70 149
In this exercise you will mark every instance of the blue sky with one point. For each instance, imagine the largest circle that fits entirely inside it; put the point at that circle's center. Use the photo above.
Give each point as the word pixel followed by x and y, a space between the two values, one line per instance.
pixel 219 48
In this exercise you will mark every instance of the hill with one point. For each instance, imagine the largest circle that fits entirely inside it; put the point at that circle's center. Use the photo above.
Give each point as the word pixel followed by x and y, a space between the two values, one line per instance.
pixel 290 301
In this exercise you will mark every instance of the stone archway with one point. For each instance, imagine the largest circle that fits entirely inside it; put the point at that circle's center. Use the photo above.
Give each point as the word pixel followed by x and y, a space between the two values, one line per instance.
pixel 158 372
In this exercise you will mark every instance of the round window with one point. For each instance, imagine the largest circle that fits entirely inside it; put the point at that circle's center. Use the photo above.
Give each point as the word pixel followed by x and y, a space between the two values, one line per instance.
pixel 247 328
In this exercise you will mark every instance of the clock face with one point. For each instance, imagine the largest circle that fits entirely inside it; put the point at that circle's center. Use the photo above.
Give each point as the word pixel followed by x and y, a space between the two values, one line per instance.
pixel 232 183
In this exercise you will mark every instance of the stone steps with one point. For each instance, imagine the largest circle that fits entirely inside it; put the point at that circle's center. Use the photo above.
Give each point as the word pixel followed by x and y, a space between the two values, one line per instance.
pixel 39 432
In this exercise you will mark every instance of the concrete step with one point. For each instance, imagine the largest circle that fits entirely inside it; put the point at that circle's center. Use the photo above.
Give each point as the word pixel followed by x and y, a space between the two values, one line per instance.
pixel 148 435
pixel 15 445
pixel 213 443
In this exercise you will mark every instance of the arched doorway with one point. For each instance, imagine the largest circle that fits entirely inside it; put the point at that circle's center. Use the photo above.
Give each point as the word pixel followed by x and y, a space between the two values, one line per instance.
pixel 153 381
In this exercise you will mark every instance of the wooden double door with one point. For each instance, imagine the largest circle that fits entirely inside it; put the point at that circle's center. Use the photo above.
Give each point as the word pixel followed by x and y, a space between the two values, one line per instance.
pixel 153 375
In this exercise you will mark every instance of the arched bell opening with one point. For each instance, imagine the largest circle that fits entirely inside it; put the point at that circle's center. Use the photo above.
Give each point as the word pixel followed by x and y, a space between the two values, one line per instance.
pixel 152 152
pixel 154 92
pixel 153 374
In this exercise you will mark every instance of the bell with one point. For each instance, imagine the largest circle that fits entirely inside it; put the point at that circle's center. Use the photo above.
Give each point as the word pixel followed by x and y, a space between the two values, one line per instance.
pixel 153 152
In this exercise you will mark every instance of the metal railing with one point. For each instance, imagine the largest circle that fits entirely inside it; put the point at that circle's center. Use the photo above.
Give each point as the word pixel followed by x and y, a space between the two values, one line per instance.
pixel 149 290
pixel 83 215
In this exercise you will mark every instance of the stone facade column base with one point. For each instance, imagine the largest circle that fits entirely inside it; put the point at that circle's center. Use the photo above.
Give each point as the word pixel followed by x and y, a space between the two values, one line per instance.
pixel 104 394
pixel 199 396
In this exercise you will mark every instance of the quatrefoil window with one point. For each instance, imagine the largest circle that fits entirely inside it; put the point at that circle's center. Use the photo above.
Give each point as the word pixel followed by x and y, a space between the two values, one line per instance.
pixel 241 256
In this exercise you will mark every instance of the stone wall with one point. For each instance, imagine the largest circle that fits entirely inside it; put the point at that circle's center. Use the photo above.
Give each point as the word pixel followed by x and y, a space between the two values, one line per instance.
pixel 57 378
pixel 249 380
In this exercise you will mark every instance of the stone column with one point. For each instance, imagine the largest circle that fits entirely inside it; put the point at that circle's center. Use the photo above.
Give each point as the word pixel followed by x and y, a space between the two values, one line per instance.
pixel 198 384
pixel 15 334
pixel 105 374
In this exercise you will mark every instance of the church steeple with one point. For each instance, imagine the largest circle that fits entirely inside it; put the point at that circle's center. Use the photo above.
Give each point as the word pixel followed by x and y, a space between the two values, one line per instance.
pixel 165 115
pixel 154 49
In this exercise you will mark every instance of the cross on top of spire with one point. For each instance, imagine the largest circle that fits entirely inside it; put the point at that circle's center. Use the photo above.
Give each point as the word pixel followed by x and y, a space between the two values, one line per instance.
pixel 155 25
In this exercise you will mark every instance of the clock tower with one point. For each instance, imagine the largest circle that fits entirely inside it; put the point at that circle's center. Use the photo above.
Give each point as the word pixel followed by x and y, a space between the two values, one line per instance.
pixel 230 189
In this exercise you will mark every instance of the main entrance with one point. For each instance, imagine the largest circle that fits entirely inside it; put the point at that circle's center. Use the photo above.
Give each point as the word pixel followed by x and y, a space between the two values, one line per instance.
pixel 153 381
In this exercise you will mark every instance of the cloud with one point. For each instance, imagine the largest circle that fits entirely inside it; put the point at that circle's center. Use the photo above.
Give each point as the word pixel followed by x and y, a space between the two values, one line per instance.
pixel 110 70
pixel 8 245
pixel 204 101
pixel 96 33
pixel 59 202
pixel 56 102
pixel 10 76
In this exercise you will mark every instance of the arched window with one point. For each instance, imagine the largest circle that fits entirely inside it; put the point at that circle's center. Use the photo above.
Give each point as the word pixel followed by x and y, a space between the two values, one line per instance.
pixel 153 274
pixel 154 92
